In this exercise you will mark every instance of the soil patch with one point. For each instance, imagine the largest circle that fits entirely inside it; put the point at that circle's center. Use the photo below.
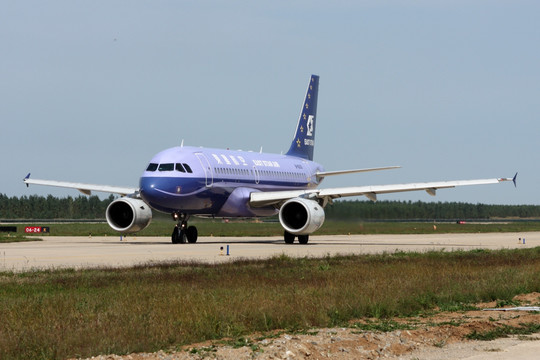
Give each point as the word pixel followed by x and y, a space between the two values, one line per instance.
pixel 443 335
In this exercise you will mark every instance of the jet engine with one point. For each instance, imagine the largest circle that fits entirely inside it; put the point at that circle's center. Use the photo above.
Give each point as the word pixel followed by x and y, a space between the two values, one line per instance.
pixel 128 215
pixel 301 216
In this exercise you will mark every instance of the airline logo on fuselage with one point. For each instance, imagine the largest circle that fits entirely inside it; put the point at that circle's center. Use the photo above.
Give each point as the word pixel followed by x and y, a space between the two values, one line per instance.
pixel 229 160
pixel 222 159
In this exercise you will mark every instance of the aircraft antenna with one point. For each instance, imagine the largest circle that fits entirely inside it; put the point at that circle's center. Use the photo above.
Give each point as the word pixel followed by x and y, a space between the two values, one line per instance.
pixel 182 143
pixel 260 151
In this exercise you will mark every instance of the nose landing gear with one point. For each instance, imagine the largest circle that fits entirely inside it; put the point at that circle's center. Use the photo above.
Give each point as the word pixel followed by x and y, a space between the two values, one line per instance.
pixel 182 232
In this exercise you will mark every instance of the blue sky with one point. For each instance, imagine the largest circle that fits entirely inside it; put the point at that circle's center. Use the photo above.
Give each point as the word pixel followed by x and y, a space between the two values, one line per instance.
pixel 449 90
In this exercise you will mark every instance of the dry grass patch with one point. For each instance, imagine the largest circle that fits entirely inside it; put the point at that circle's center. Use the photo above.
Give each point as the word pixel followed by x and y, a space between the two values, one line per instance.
pixel 57 314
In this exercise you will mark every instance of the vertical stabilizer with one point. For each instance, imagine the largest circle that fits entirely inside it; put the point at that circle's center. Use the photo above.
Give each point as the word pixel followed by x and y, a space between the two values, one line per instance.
pixel 304 137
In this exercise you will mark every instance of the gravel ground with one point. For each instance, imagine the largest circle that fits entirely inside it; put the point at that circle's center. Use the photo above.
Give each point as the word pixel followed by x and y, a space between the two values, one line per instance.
pixel 441 336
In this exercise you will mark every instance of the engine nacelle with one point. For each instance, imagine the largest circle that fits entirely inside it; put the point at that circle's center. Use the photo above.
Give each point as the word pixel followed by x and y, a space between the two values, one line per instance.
pixel 128 215
pixel 301 216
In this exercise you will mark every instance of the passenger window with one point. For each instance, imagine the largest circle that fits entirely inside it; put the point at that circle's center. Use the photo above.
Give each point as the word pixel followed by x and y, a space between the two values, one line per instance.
pixel 180 168
pixel 166 167
pixel 152 167
pixel 188 169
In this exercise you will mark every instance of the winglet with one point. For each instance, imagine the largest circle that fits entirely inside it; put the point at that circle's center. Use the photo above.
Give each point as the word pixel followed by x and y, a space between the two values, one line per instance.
pixel 26 178
pixel 514 180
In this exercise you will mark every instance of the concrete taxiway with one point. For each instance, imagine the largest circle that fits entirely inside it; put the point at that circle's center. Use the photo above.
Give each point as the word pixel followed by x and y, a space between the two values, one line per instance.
pixel 82 252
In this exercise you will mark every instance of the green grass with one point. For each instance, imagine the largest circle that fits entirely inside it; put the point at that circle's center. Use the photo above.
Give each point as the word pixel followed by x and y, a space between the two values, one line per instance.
pixel 504 331
pixel 161 227
pixel 58 314
pixel 9 238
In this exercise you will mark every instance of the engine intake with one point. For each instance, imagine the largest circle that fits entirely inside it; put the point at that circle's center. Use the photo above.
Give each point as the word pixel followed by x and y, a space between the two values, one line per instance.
pixel 301 216
pixel 128 215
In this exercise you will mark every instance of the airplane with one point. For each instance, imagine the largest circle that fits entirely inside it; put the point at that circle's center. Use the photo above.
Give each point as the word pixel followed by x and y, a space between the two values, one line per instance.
pixel 187 181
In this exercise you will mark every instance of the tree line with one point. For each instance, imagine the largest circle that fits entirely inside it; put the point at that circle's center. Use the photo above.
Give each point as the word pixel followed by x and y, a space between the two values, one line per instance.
pixel 50 207
pixel 408 210
pixel 92 207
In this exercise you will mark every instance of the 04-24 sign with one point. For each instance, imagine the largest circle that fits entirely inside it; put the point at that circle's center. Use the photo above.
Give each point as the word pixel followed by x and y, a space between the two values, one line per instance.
pixel 35 229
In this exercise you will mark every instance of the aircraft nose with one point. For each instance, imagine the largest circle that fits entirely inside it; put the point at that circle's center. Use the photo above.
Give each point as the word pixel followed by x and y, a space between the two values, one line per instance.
pixel 147 190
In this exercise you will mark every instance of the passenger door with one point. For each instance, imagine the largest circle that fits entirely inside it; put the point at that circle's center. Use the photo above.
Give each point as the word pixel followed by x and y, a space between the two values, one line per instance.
pixel 205 164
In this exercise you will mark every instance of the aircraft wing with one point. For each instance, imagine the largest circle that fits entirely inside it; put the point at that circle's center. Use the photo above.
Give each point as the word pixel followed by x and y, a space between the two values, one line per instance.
pixel 259 199
pixel 84 188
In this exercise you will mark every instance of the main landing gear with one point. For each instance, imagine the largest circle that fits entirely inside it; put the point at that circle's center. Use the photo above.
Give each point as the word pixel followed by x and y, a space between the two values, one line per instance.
pixel 182 232
pixel 289 238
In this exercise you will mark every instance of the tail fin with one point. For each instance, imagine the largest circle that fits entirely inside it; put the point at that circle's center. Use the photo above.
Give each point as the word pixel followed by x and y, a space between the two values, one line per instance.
pixel 304 139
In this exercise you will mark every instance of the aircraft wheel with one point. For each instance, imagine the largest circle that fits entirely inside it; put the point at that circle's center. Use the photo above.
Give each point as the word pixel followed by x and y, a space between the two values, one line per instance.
pixel 192 234
pixel 175 237
pixel 288 237
pixel 303 239
pixel 182 237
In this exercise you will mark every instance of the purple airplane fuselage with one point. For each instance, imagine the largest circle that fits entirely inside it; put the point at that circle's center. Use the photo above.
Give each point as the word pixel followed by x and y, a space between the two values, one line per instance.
pixel 218 182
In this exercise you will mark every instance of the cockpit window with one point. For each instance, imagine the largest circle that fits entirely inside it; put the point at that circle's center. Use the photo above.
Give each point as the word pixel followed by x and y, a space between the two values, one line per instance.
pixel 166 167
pixel 152 167
pixel 180 168
pixel 188 168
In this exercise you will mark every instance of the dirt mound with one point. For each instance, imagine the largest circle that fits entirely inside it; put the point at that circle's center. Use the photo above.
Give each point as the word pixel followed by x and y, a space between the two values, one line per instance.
pixel 444 335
